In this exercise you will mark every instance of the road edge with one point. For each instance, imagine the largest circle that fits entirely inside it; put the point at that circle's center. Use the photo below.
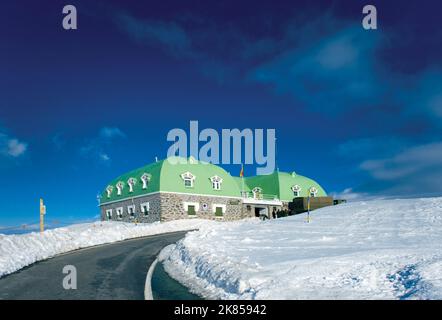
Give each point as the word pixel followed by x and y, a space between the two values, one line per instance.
pixel 148 294
pixel 92 247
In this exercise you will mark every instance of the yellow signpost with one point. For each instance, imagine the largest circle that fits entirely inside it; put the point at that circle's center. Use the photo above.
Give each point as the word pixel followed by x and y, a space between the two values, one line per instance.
pixel 42 214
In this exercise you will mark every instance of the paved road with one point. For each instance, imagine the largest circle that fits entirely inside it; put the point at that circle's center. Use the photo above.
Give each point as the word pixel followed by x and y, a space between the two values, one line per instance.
pixel 114 271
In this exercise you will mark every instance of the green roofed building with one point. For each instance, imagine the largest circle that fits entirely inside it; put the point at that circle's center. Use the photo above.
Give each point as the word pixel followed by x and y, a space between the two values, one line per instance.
pixel 179 188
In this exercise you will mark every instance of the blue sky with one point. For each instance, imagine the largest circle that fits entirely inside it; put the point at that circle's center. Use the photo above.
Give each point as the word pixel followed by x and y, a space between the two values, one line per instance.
pixel 356 110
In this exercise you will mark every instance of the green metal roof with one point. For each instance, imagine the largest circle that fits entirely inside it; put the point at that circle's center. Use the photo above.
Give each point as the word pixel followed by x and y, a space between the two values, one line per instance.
pixel 171 178
pixel 166 175
pixel 280 184
pixel 288 180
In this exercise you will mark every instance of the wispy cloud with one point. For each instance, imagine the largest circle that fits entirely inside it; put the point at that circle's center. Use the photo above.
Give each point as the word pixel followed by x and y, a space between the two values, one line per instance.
pixel 380 146
pixel 58 141
pixel 408 162
pixel 350 195
pixel 342 70
pixel 166 35
pixel 199 40
pixel 111 132
pixel 104 157
pixel 328 65
pixel 424 96
pixel 334 73
pixel 98 148
pixel 414 171
pixel 12 147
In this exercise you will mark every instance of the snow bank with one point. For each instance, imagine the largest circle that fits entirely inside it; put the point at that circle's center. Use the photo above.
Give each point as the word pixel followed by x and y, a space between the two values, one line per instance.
pixel 382 249
pixel 18 251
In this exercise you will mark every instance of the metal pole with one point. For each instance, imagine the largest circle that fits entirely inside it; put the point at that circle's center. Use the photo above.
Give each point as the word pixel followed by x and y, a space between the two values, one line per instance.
pixel 42 213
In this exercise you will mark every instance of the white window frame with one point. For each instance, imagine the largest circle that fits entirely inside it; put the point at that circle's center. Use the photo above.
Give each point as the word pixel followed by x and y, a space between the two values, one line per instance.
pixel 145 205
pixel 131 183
pixel 120 211
pixel 109 190
pixel 120 187
pixel 132 206
pixel 216 182
pixel 145 179
pixel 255 191
pixel 188 176
pixel 215 205
pixel 109 214
pixel 187 204
pixel 296 190
pixel 186 181
pixel 312 192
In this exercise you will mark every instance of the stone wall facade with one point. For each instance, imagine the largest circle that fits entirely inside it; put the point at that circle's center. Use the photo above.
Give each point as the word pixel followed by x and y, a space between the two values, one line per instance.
pixel 173 206
pixel 153 215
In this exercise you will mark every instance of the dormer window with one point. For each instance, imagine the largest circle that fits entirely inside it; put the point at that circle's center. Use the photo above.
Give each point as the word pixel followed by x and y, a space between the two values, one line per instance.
pixel 188 179
pixel 257 193
pixel 131 182
pixel 120 186
pixel 109 190
pixel 296 191
pixel 216 182
pixel 313 191
pixel 145 178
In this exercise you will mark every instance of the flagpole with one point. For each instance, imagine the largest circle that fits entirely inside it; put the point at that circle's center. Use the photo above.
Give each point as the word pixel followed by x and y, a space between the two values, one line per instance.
pixel 242 180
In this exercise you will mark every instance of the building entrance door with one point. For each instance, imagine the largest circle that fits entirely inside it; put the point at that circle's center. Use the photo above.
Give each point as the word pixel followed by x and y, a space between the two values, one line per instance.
pixel 261 211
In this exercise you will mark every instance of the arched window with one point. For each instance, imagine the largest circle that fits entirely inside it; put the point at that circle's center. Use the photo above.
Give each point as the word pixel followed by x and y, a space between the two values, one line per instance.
pixel 313 191
pixel 131 182
pixel 257 193
pixel 296 190
pixel 120 186
pixel 109 190
pixel 145 178
pixel 216 182
pixel 188 179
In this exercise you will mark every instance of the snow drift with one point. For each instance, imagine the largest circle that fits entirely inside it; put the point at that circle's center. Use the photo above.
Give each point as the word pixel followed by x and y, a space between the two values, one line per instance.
pixel 18 251
pixel 380 249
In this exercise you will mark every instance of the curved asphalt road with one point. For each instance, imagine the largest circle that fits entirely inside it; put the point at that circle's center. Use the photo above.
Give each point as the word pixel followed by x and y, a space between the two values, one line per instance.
pixel 113 271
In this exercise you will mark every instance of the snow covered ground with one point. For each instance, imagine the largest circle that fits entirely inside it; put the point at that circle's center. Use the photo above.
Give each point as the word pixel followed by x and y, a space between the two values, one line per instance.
pixel 18 251
pixel 380 249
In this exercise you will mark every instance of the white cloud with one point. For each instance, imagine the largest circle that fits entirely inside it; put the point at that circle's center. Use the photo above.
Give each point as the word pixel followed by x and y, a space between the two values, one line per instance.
pixel 16 148
pixel 328 73
pixel 338 54
pixel 11 147
pixel 98 148
pixel 349 195
pixel 425 97
pixel 416 171
pixel 405 163
pixel 111 132
pixel 104 157
pixel 380 146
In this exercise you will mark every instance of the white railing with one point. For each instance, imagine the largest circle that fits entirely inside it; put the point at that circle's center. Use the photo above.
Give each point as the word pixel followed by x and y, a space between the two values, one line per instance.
pixel 258 196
